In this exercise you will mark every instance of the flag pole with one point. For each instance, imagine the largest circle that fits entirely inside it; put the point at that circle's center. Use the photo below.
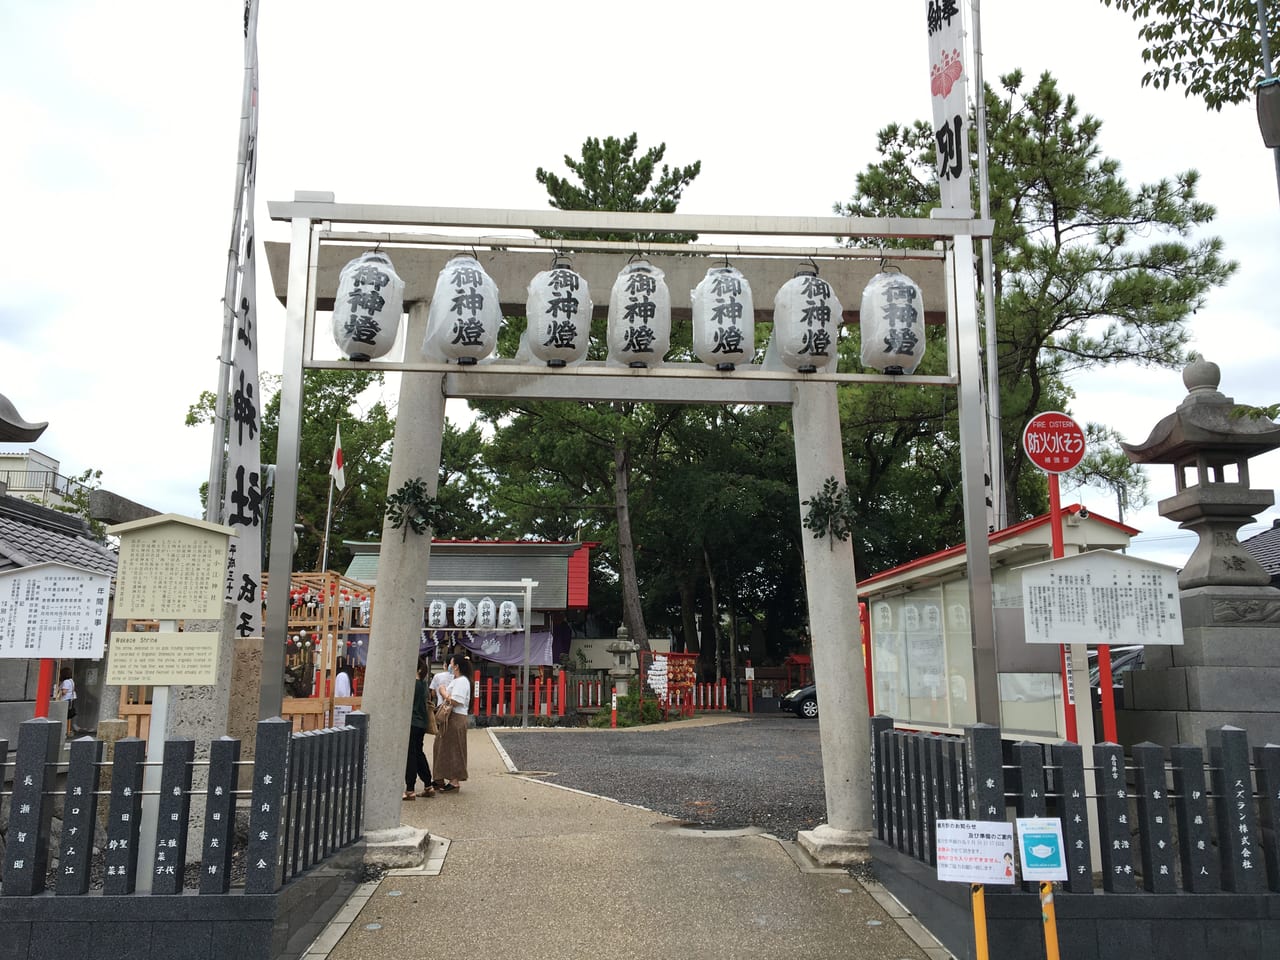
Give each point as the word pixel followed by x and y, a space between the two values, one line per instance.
pixel 328 515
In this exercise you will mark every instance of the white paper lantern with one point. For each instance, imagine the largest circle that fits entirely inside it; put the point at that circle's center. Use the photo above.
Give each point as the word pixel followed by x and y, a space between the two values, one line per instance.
pixel 558 309
pixel 486 614
pixel 367 306
pixel 724 320
pixel 892 324
pixel 639 316
pixel 464 317
pixel 464 613
pixel 437 614
pixel 509 616
pixel 806 323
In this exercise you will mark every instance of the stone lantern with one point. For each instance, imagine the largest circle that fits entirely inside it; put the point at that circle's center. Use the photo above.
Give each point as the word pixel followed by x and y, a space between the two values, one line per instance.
pixel 622 649
pixel 1227 669
pixel 1207 441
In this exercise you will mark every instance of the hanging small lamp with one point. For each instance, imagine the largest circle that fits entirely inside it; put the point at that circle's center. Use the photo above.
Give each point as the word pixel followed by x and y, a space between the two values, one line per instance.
pixel 464 317
pixel 558 312
pixel 367 306
pixel 724 320
pixel 639 316
pixel 806 322
pixel 892 324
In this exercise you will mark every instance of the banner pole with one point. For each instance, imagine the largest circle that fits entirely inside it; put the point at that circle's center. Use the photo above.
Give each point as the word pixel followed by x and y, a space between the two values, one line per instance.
pixel 978 898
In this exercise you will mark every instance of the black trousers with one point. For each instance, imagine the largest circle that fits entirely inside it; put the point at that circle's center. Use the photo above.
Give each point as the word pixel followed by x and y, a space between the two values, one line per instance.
pixel 415 765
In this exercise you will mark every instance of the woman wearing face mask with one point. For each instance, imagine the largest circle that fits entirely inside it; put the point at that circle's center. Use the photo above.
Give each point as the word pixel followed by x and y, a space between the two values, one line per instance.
pixel 452 765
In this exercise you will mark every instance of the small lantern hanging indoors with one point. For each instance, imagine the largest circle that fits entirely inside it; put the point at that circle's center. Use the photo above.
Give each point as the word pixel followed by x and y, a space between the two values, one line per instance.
pixel 892 324
pixel 806 323
pixel 367 306
pixel 437 614
pixel 558 309
pixel 724 320
pixel 508 616
pixel 463 321
pixel 486 614
pixel 464 613
pixel 639 316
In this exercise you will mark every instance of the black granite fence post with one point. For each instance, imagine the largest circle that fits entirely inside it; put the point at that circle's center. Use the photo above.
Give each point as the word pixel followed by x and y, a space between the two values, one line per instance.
pixel 324 808
pixel 173 816
pixel 219 815
pixel 1200 870
pixel 263 858
pixel 879 787
pixel 79 817
pixel 360 721
pixel 124 817
pixel 984 758
pixel 1238 830
pixel 289 833
pixel 912 771
pixel 930 753
pixel 1155 838
pixel 1113 819
pixel 310 801
pixel 341 788
pixel 956 760
pixel 1073 808
pixel 1267 761
pixel 35 772
pixel 901 821
pixel 1029 759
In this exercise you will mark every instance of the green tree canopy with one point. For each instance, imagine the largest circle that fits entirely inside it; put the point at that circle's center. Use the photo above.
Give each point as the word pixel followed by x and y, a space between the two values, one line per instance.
pixel 1212 48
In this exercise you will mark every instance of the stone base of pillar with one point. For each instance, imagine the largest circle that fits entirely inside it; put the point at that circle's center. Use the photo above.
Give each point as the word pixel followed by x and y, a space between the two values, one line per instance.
pixel 394 849
pixel 831 847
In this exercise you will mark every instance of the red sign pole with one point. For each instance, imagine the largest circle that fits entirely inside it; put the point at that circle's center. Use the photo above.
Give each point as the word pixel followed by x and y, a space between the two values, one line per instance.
pixel 44 685
pixel 1059 551
pixel 1055 443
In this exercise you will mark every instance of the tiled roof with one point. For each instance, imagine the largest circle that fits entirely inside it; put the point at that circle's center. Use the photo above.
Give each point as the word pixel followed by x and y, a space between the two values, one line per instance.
pixel 1265 548
pixel 30 533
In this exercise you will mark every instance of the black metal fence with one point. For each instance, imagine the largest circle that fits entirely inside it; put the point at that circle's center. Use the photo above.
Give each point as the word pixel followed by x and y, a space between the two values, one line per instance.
pixel 305 803
pixel 1168 824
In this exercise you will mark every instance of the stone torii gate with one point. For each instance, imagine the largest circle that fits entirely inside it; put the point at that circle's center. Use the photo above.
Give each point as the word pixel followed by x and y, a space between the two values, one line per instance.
pixel 305 275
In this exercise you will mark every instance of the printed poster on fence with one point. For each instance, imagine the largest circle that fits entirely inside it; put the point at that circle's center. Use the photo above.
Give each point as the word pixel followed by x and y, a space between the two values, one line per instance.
pixel 975 851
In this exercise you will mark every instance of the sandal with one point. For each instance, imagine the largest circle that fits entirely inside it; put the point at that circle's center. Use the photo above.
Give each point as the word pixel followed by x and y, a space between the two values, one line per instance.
pixel 428 792
pixel 408 795
pixel 450 788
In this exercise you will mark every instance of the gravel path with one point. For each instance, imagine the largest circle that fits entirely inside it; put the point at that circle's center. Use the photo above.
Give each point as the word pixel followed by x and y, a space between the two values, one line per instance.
pixel 761 772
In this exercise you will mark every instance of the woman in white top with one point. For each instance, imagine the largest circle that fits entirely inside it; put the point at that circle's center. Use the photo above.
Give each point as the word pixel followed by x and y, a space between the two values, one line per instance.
pixel 66 690
pixel 451 765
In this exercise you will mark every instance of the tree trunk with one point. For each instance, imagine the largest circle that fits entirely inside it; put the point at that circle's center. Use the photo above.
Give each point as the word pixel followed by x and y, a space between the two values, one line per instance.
pixel 715 613
pixel 632 614
pixel 689 613
pixel 733 652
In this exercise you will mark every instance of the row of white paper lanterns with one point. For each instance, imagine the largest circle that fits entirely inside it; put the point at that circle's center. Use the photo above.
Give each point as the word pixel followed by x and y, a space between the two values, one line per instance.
pixel 485 615
pixel 465 315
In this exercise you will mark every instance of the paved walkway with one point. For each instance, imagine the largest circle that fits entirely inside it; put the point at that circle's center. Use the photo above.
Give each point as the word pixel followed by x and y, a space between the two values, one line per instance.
pixel 525 870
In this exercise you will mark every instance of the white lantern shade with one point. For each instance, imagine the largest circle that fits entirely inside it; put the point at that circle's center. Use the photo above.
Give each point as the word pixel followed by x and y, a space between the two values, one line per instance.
pixel 892 324
pixel 639 316
pixel 437 614
pixel 558 310
pixel 724 320
pixel 367 307
pixel 464 613
pixel 486 614
pixel 464 317
pixel 806 324
pixel 509 616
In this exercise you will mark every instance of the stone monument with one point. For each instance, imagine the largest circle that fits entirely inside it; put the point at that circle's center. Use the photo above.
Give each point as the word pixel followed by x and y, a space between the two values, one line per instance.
pixel 1228 669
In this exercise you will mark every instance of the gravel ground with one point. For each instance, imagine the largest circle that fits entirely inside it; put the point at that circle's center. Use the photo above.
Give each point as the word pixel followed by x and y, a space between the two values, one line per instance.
pixel 764 772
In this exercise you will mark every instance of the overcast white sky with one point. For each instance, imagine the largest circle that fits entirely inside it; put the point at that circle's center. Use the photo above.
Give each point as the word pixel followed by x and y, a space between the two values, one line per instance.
pixel 119 164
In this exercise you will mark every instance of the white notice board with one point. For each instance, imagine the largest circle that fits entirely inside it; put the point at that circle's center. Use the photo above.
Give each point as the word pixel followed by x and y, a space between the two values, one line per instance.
pixel 53 611
pixel 1101 597
pixel 171 568
pixel 975 851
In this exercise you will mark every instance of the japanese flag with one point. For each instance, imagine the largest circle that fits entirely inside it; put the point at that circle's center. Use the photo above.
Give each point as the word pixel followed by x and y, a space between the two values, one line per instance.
pixel 335 468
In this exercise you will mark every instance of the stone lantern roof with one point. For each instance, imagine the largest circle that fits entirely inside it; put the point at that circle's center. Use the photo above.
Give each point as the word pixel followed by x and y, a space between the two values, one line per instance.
pixel 1206 425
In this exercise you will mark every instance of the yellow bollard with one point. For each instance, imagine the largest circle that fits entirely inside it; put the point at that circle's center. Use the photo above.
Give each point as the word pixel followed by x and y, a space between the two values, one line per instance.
pixel 978 899
pixel 1050 920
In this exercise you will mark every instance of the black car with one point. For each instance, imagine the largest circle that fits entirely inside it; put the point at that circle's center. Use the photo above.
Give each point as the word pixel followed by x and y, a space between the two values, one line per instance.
pixel 802 701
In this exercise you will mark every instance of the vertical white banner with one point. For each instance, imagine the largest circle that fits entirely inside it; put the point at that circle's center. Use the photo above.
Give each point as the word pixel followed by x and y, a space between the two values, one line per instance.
pixel 948 85
pixel 245 486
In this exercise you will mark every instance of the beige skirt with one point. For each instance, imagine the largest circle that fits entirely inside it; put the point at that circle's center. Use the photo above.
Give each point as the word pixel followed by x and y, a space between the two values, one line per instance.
pixel 451 749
